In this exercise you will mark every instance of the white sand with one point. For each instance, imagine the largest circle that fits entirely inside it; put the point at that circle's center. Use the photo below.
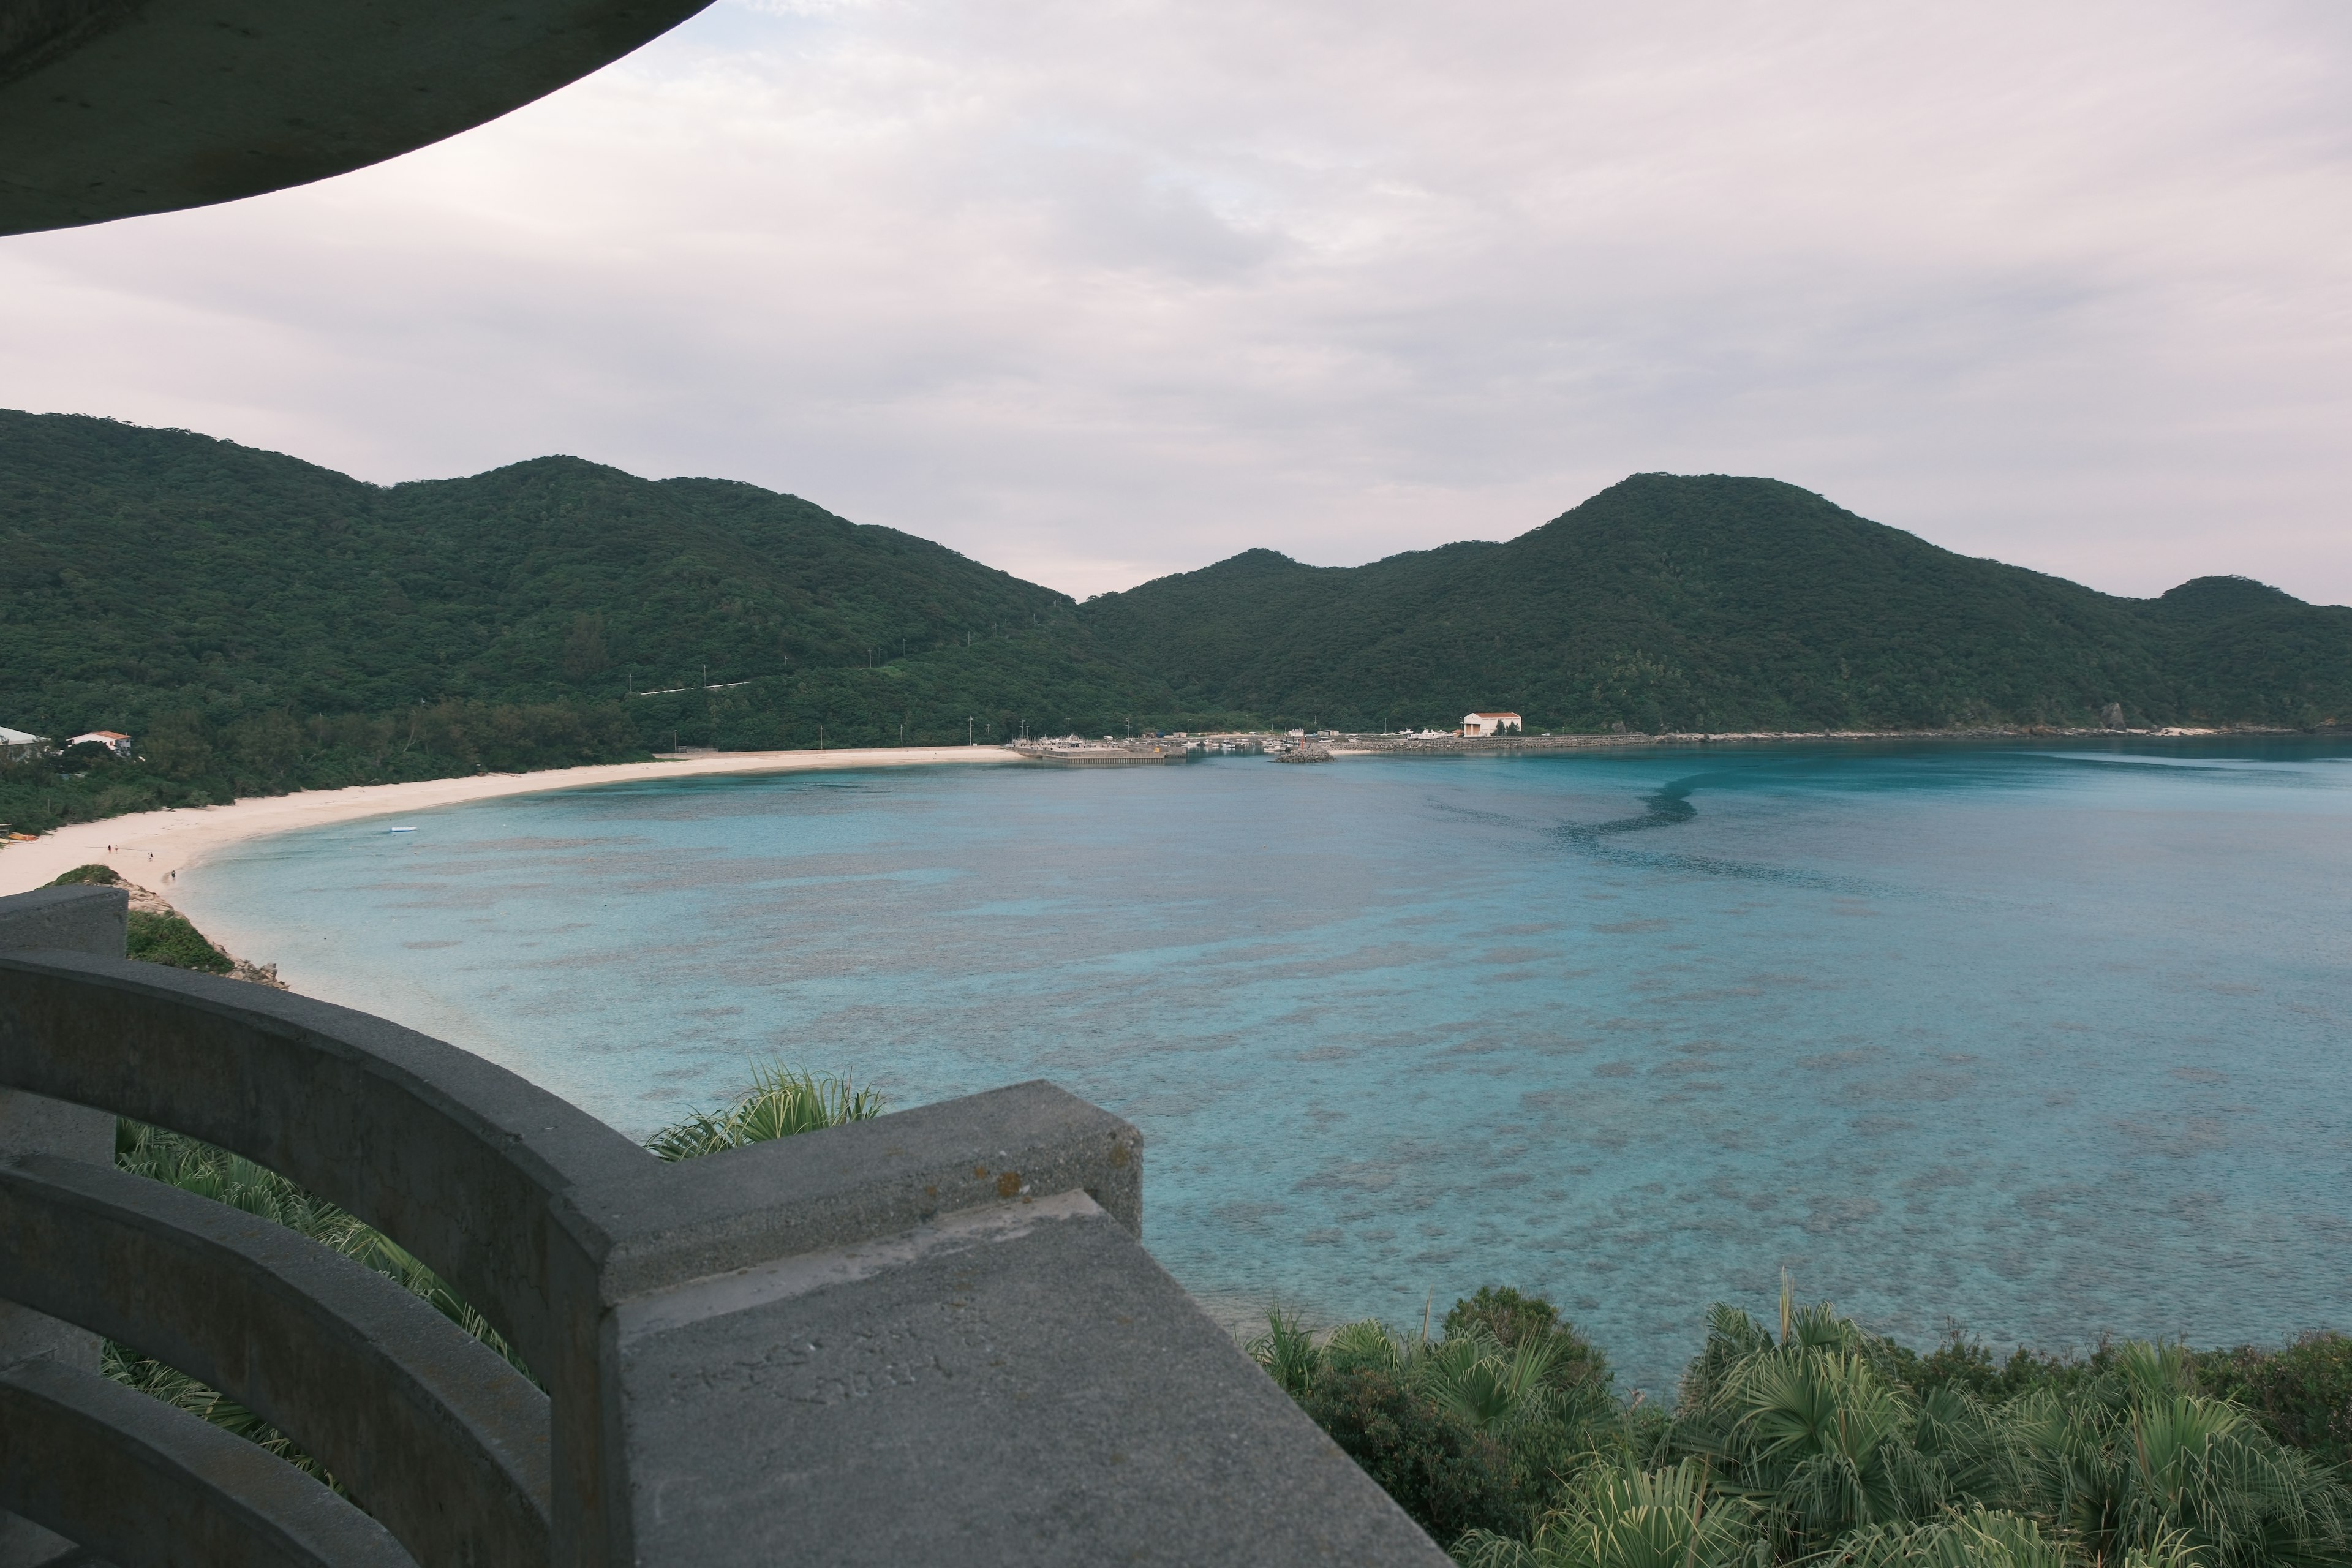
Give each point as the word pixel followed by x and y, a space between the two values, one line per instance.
pixel 151 847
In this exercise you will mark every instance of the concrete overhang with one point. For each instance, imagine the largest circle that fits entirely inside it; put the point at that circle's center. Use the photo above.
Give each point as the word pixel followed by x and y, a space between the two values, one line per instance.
pixel 111 109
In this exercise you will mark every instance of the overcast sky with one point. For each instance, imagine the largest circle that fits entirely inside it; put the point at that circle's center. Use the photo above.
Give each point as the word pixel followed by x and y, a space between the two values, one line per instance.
pixel 1098 291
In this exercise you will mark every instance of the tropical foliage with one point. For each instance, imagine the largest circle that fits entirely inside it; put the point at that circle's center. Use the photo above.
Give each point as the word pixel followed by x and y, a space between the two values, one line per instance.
pixel 1812 1441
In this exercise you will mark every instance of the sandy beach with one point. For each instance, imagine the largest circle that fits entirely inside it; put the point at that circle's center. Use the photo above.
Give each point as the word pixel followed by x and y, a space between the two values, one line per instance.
pixel 153 847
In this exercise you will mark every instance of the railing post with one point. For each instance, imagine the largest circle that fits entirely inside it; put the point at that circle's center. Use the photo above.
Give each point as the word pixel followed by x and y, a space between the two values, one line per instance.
pixel 78 919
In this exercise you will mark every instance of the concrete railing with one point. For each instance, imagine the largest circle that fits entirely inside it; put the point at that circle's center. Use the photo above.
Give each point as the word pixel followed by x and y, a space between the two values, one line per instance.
pixel 930 1337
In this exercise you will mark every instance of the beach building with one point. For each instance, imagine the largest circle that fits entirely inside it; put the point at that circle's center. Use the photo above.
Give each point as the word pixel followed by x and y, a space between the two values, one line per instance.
pixel 13 742
pixel 1490 723
pixel 114 741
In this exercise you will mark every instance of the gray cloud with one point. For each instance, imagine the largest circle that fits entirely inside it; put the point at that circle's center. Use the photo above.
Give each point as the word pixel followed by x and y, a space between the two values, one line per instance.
pixel 1094 292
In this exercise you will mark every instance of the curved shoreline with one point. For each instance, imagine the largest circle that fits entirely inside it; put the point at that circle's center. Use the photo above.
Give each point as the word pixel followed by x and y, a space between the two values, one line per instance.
pixel 150 848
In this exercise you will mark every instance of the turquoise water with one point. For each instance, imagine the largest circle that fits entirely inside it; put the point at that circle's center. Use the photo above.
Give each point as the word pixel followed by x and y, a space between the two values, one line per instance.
pixel 2050 1041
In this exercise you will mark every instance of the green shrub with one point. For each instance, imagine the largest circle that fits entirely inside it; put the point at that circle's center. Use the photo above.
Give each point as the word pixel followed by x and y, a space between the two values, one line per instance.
pixel 1440 1470
pixel 158 938
pixel 1965 1363
pixel 2302 1393
pixel 80 875
pixel 1502 1312
pixel 1511 1319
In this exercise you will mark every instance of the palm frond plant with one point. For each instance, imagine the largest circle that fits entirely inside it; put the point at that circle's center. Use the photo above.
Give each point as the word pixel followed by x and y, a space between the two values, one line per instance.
pixel 1368 1342
pixel 1833 1442
pixel 1808 1424
pixel 1969 1538
pixel 1624 1518
pixel 1289 1352
pixel 2139 1466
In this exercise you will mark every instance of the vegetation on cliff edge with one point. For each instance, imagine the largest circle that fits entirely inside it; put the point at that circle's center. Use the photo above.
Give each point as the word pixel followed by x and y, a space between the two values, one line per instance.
pixel 1814 1441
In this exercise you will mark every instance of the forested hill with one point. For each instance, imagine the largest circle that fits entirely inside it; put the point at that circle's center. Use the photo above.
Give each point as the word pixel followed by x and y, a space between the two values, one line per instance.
pixel 258 622
pixel 143 567
pixel 1714 603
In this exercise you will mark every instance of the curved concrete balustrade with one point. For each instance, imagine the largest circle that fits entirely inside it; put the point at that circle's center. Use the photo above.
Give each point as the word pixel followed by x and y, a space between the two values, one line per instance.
pixel 433 1434
pixel 138 1482
pixel 113 108
pixel 460 1162
pixel 933 1336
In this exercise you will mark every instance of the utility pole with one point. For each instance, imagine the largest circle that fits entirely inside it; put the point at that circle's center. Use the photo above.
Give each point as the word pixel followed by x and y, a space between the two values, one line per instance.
pixel 967 733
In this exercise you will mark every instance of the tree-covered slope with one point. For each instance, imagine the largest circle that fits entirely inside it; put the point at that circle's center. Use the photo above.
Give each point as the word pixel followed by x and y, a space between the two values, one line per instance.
pixel 1715 603
pixel 259 622
pixel 142 568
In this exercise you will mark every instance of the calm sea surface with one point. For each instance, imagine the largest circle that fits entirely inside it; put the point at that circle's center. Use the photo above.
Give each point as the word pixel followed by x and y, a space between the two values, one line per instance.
pixel 2047 1040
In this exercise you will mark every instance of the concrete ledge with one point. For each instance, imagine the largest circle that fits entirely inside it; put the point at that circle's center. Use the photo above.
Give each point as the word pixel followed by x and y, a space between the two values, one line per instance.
pixel 79 920
pixel 432 1433
pixel 867 1179
pixel 137 1481
pixel 1021 1386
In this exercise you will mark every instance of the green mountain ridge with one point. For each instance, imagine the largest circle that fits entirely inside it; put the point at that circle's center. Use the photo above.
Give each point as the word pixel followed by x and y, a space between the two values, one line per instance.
pixel 260 622
pixel 259 579
pixel 1712 602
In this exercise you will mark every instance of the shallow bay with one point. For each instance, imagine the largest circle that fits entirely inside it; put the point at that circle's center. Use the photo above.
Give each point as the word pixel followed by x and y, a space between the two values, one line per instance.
pixel 2047 1039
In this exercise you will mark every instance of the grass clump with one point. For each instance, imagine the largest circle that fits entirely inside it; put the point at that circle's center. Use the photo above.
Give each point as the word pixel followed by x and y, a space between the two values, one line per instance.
pixel 779 1104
